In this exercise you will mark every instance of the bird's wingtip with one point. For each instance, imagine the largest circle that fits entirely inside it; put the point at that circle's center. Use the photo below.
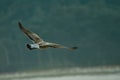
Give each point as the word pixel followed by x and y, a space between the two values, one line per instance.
pixel 19 23
pixel 74 48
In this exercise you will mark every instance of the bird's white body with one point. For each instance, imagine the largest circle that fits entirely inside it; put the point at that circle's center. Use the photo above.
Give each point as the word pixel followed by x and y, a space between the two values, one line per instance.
pixel 34 46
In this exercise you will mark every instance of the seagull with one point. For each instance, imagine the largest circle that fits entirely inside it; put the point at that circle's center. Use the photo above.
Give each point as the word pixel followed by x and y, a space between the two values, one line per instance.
pixel 39 43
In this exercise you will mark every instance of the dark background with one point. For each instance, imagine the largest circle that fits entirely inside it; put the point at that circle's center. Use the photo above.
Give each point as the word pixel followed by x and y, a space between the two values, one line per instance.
pixel 92 25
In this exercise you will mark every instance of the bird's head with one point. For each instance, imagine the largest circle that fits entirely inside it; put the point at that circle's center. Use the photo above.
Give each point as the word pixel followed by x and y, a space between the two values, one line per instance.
pixel 28 46
pixel 32 46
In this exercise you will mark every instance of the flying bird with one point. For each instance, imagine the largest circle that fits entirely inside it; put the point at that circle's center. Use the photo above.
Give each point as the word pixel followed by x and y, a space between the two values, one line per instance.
pixel 39 43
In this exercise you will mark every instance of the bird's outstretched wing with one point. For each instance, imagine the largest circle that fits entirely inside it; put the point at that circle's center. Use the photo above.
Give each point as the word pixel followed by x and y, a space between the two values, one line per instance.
pixel 54 45
pixel 33 36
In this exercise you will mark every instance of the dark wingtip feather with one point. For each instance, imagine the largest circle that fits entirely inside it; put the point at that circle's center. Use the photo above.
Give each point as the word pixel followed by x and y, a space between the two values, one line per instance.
pixel 19 23
pixel 21 26
pixel 74 48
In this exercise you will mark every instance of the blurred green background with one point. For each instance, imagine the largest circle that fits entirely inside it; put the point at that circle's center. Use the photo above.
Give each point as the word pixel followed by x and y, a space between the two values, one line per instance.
pixel 92 25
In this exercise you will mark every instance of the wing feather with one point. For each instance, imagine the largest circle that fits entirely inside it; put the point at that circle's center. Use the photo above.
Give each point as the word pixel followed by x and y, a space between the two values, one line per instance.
pixel 54 45
pixel 33 36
